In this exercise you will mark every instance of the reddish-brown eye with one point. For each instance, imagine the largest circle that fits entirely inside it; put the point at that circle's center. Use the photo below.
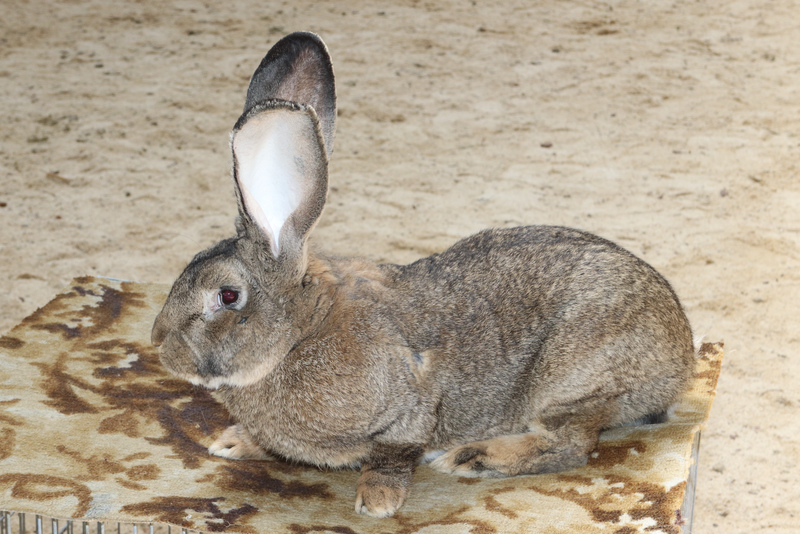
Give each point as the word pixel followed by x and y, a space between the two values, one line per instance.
pixel 228 296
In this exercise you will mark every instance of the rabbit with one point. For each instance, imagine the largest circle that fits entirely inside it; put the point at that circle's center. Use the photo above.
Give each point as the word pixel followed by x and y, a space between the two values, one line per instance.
pixel 505 355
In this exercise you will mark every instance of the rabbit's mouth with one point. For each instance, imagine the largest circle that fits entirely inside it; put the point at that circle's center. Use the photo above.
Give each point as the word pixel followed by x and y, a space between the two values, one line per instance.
pixel 181 358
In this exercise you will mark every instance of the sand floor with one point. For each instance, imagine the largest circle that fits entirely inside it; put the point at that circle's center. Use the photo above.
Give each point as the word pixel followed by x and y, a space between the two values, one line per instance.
pixel 672 128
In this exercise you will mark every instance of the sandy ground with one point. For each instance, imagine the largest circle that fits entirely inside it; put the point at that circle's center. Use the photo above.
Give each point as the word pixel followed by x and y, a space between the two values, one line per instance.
pixel 669 127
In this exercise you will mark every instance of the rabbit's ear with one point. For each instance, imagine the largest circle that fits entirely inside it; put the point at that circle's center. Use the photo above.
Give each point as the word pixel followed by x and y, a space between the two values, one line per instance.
pixel 281 173
pixel 298 69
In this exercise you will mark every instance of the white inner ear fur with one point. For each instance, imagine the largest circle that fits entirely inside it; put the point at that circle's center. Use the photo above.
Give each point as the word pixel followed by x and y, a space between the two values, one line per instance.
pixel 271 150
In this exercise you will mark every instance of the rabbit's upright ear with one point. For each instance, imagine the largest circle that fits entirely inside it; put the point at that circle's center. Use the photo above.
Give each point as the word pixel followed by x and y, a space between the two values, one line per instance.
pixel 282 141
pixel 280 167
pixel 298 69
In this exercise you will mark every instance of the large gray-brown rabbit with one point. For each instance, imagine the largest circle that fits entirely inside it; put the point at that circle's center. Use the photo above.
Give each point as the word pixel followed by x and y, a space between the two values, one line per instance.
pixel 510 351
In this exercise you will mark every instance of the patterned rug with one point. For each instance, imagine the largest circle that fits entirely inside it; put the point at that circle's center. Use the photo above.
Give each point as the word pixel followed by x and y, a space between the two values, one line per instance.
pixel 92 428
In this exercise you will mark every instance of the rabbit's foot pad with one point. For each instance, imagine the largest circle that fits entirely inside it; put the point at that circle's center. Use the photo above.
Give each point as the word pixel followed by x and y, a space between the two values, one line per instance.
pixel 236 444
pixel 380 495
pixel 508 456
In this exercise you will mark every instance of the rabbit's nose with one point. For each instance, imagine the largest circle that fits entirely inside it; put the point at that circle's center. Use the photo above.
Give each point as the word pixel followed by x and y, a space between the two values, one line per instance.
pixel 159 332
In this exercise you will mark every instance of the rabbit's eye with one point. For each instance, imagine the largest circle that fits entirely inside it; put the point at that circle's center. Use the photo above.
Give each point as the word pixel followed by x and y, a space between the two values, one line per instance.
pixel 228 296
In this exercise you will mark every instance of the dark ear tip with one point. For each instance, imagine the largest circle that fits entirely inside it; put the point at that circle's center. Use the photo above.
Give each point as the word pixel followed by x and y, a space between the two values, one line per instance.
pixel 280 63
pixel 304 36
pixel 295 43
pixel 298 68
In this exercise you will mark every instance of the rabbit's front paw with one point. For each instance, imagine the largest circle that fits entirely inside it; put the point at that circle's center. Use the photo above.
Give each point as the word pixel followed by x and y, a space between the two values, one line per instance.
pixel 380 494
pixel 236 444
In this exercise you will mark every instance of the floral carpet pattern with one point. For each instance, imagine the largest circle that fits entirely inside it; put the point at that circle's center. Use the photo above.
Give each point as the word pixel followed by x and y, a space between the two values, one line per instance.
pixel 93 428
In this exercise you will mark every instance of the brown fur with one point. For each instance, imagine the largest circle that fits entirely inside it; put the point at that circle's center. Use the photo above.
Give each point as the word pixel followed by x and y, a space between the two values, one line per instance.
pixel 511 350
